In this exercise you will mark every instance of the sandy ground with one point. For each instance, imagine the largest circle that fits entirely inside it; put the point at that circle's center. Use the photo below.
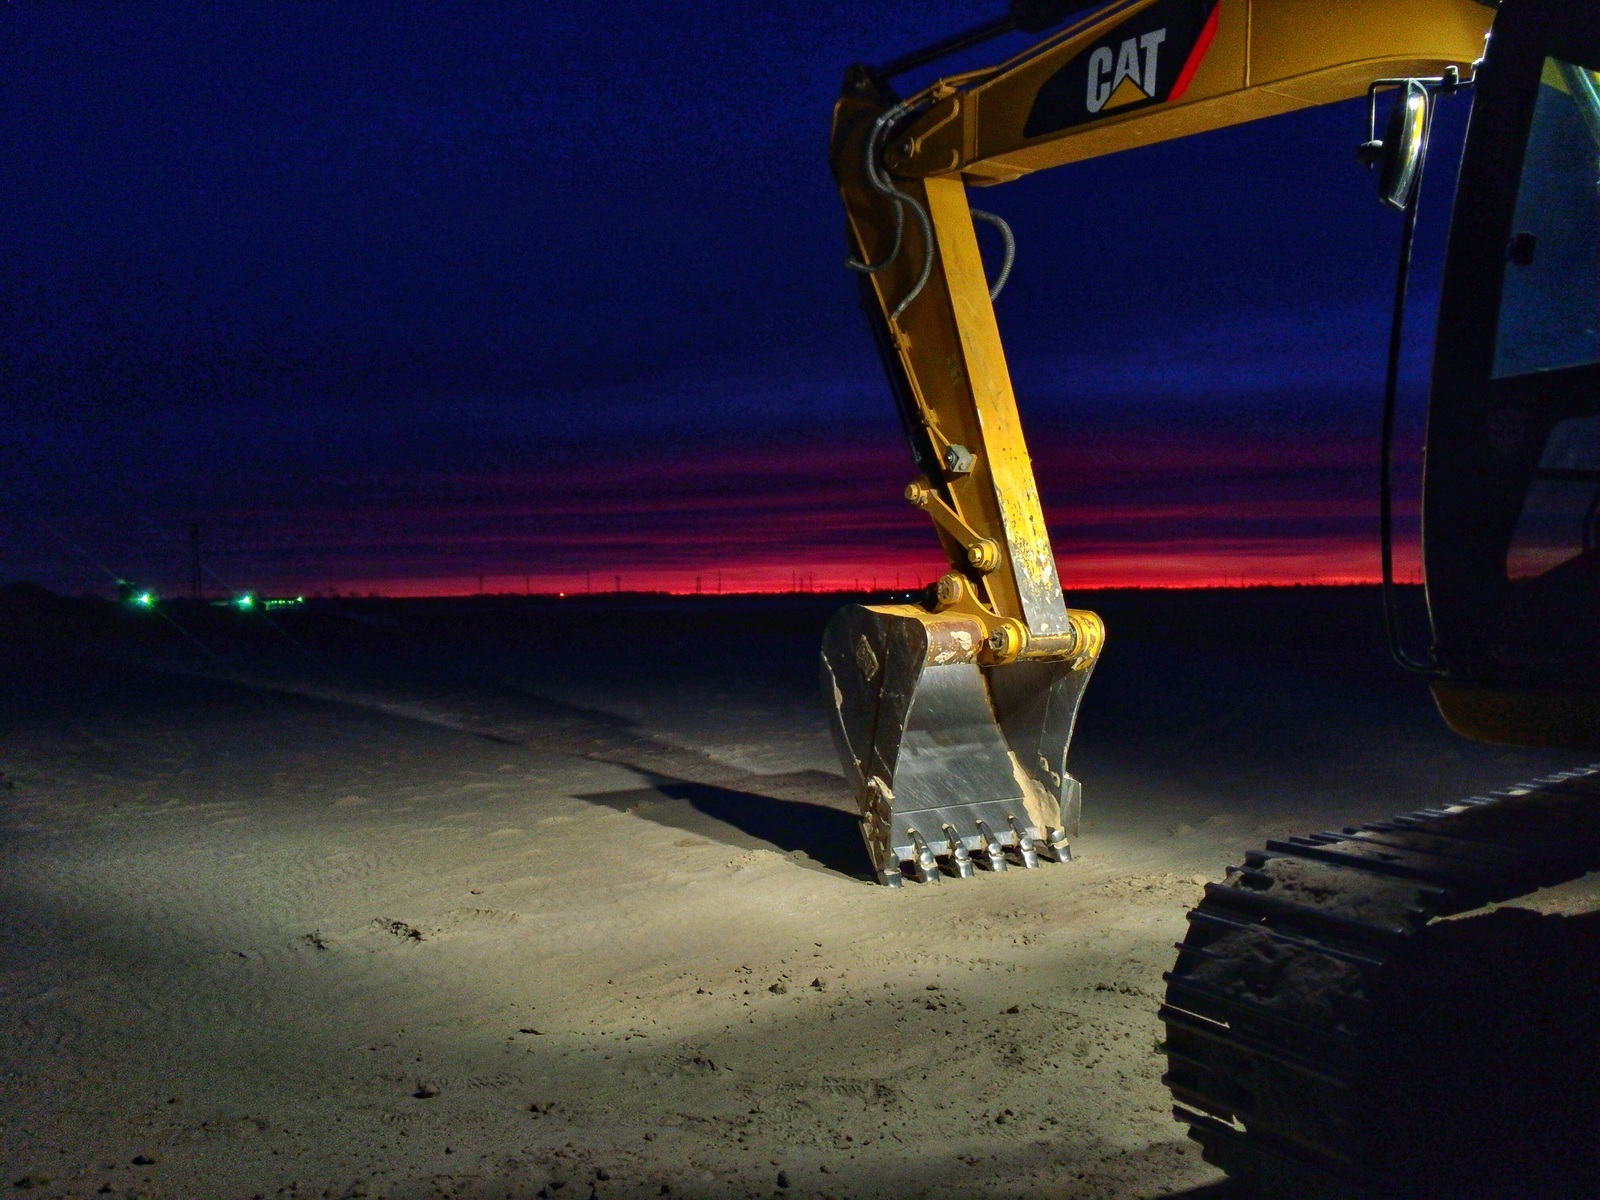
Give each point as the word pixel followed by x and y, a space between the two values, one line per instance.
pixel 510 901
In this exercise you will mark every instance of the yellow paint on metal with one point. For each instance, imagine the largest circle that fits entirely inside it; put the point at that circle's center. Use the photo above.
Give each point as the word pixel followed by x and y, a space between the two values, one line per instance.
pixel 988 383
pixel 1001 603
pixel 1267 57
pixel 1517 716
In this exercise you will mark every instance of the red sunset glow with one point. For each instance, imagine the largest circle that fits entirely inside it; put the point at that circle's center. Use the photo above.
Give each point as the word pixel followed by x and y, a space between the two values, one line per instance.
pixel 1124 511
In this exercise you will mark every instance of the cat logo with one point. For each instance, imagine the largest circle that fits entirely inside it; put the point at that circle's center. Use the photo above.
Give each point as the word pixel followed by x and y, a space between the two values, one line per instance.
pixel 1147 58
pixel 1132 78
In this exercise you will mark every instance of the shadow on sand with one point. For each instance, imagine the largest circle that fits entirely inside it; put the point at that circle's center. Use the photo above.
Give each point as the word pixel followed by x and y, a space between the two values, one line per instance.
pixel 751 820
pixel 1486 1079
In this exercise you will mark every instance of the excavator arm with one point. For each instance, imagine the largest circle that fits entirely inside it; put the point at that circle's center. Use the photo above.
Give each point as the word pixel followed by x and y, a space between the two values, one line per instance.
pixel 953 720
pixel 1329 1031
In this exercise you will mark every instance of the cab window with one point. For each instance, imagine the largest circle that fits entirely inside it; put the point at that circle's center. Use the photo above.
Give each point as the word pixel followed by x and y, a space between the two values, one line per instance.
pixel 1550 304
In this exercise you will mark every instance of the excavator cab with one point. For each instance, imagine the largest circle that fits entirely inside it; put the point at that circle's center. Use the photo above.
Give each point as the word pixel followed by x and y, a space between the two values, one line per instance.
pixel 1511 544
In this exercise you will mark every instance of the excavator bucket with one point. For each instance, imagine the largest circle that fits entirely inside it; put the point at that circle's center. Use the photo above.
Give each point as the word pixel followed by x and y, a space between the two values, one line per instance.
pixel 954 764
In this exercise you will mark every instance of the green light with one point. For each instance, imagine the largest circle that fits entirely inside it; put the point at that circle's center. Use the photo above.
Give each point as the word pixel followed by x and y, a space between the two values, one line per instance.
pixel 245 601
pixel 145 600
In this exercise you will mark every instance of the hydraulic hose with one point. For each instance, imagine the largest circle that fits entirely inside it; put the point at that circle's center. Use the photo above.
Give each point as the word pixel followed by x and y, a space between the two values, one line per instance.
pixel 900 200
pixel 989 218
pixel 879 178
pixel 896 198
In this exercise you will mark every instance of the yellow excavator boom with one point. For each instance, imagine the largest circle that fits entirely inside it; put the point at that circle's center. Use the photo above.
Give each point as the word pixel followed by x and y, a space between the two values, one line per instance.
pixel 953 720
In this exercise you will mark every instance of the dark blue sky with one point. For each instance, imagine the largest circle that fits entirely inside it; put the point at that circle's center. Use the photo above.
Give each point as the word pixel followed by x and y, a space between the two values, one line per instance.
pixel 411 292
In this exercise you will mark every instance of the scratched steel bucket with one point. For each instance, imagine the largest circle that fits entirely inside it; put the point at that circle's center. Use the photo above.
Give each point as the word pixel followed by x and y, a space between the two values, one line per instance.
pixel 953 763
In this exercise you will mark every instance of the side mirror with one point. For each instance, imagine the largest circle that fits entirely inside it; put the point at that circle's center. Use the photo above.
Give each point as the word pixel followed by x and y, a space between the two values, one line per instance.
pixel 1398 156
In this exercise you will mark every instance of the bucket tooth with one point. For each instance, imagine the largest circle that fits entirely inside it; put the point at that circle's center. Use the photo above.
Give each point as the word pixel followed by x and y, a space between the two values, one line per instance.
pixel 960 856
pixel 1056 847
pixel 1026 850
pixel 927 867
pixel 929 737
pixel 994 853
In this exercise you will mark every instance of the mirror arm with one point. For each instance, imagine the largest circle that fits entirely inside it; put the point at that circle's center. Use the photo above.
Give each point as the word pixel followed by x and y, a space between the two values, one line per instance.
pixel 1450 81
pixel 1370 152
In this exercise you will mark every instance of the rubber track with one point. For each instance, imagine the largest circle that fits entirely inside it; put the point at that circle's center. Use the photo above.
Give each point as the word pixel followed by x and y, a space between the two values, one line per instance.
pixel 1267 1004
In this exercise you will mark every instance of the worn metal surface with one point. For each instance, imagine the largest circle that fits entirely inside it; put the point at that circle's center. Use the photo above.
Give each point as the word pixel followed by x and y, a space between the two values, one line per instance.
pixel 999 443
pixel 932 741
pixel 951 717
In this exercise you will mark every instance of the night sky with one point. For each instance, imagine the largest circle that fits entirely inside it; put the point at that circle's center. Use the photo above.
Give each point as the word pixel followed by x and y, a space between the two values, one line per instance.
pixel 389 296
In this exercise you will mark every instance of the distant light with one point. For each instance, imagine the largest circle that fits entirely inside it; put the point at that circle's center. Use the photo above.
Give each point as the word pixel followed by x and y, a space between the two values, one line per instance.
pixel 244 601
pixel 144 600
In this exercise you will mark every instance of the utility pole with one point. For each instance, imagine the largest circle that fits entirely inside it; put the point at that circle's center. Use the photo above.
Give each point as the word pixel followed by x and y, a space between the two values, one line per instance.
pixel 719 583
pixel 618 579
pixel 194 561
pixel 588 582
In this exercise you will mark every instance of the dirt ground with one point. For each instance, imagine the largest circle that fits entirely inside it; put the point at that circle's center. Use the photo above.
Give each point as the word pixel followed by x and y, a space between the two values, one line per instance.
pixel 511 899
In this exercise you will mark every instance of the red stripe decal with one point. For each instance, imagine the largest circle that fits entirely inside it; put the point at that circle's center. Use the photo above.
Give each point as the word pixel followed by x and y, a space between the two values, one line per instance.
pixel 1195 55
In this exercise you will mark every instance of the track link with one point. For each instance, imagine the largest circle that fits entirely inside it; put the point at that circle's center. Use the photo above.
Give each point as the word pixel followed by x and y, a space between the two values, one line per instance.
pixel 1284 994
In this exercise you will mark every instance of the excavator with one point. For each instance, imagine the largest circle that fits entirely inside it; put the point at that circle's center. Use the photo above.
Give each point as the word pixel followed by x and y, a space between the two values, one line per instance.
pixel 1300 1050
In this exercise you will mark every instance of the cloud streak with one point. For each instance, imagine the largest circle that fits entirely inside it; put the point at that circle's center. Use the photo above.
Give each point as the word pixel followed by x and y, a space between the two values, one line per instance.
pixel 1123 509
